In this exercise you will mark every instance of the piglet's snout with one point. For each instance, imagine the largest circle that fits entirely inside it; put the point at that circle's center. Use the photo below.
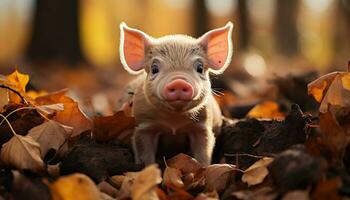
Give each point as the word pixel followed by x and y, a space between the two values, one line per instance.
pixel 178 90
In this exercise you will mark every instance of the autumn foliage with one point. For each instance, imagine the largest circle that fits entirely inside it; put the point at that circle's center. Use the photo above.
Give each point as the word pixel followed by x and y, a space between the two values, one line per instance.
pixel 52 150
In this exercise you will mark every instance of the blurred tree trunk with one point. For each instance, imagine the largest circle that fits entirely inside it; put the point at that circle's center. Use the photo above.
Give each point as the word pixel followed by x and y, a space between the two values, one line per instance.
pixel 55 32
pixel 342 26
pixel 243 24
pixel 200 18
pixel 286 26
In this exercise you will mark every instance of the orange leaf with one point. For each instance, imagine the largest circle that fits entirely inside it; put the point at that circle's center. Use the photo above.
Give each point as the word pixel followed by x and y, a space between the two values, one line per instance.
pixel 267 109
pixel 18 82
pixel 71 115
pixel 106 128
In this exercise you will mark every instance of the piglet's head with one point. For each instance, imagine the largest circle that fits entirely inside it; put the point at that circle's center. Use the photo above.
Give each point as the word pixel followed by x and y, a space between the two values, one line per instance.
pixel 177 66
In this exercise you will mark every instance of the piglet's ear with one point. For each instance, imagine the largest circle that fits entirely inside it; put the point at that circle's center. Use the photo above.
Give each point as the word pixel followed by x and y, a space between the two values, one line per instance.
pixel 218 46
pixel 133 43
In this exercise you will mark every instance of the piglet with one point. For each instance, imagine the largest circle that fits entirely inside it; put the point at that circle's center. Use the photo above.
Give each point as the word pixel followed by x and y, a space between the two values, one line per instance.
pixel 172 98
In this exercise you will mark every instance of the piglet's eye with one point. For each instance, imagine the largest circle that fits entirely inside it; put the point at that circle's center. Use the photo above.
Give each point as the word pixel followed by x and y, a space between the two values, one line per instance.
pixel 154 69
pixel 199 67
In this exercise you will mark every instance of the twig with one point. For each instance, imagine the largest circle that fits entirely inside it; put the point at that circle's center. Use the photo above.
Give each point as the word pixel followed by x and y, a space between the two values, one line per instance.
pixel 14 91
pixel 243 154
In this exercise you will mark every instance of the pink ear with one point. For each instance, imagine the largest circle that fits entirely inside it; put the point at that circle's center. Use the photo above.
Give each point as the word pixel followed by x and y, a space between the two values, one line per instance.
pixel 218 45
pixel 132 48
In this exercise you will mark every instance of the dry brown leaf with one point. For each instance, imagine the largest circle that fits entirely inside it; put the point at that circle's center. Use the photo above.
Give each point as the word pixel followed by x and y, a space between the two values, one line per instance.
pixel 107 128
pixel 331 89
pixel 108 189
pixel 257 172
pixel 184 163
pixel 116 181
pixel 145 184
pixel 217 176
pixel 267 109
pixel 22 152
pixel 172 177
pixel 74 187
pixel 71 115
pixel 50 135
pixel 333 136
pixel 125 188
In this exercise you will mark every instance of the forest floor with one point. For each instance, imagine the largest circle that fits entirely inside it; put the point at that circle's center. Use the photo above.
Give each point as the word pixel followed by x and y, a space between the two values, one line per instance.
pixel 291 143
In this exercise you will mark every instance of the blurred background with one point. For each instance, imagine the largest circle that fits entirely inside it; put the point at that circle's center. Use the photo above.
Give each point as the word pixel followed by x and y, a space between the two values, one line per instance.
pixel 74 43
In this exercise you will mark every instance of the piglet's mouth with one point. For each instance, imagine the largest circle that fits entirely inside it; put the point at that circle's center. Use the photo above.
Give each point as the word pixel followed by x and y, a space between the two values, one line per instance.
pixel 179 104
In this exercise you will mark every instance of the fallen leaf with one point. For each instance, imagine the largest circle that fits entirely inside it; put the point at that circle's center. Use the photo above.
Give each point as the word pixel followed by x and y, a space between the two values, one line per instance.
pixel 50 135
pixel 266 110
pixel 257 172
pixel 145 184
pixel 109 127
pixel 331 89
pixel 217 176
pixel 333 136
pixel 172 176
pixel 125 188
pixel 74 187
pixel 108 189
pixel 71 115
pixel 35 94
pixel 116 181
pixel 184 163
pixel 22 152
pixel 18 82
pixel 50 109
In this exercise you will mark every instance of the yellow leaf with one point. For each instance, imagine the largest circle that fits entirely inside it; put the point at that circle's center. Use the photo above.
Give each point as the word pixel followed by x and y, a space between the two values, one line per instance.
pixel 257 172
pixel 50 135
pixel 267 109
pixel 71 115
pixel 35 94
pixel 22 152
pixel 74 187
pixel 145 184
pixel 20 80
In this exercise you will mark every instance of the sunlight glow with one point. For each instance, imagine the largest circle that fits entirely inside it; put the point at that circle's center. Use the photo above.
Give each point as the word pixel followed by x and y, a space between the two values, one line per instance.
pixel 221 8
pixel 254 64
pixel 318 6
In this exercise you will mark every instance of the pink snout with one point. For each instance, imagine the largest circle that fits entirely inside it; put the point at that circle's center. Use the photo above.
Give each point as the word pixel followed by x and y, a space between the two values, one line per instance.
pixel 178 90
